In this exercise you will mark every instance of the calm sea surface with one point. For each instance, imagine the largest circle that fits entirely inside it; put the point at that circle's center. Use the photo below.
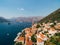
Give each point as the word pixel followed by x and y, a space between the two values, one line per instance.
pixel 8 32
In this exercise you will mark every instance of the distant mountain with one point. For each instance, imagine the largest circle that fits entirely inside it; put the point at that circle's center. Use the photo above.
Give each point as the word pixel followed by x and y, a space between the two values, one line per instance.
pixel 55 16
pixel 27 19
pixel 3 19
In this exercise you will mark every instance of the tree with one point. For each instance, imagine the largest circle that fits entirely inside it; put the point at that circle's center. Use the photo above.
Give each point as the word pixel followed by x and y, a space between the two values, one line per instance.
pixel 33 38
pixel 18 43
pixel 37 26
pixel 54 40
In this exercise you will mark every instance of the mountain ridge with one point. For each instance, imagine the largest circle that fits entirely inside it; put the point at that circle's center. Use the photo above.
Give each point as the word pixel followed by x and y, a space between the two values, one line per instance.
pixel 27 19
pixel 52 17
pixel 2 19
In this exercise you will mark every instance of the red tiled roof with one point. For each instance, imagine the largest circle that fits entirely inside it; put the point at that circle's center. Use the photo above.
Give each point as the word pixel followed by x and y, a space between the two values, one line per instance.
pixel 39 40
pixel 42 35
pixel 29 43
pixel 20 39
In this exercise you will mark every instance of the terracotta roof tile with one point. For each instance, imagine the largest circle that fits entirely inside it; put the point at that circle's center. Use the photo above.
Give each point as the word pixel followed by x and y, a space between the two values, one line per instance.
pixel 20 39
pixel 42 35
pixel 39 40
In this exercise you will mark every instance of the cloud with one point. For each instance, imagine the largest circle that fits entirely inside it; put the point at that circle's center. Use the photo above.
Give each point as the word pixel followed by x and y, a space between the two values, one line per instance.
pixel 20 9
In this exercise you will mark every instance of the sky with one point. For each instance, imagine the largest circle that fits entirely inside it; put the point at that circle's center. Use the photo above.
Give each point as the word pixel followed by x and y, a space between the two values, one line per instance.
pixel 27 8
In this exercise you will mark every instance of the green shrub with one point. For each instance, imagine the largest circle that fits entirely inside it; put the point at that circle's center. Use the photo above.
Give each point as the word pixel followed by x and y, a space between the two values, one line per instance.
pixel 18 43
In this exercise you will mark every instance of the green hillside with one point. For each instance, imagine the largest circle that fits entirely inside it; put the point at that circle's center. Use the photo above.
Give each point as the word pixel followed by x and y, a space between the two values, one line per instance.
pixel 55 16
pixel 54 40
